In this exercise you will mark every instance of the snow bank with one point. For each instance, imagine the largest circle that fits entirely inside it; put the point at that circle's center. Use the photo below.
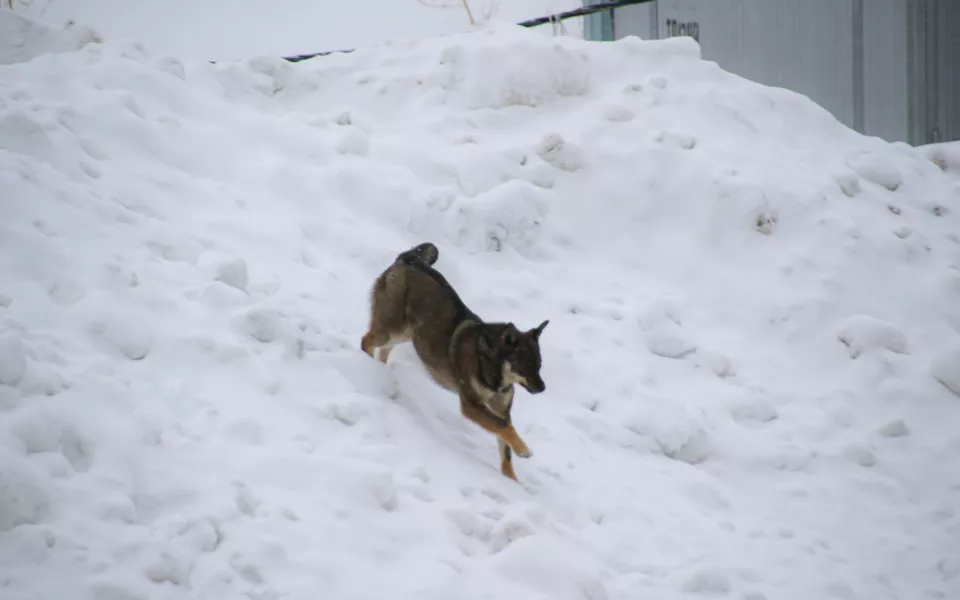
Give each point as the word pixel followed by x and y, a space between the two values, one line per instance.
pixel 25 38
pixel 750 363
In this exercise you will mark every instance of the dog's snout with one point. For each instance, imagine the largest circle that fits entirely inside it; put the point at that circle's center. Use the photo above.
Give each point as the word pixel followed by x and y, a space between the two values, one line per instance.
pixel 535 387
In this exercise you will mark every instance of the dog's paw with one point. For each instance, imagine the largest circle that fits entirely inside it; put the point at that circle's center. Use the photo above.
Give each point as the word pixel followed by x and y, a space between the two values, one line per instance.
pixel 522 450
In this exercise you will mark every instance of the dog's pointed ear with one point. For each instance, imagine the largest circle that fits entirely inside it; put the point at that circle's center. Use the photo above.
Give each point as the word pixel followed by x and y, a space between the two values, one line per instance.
pixel 535 332
pixel 508 337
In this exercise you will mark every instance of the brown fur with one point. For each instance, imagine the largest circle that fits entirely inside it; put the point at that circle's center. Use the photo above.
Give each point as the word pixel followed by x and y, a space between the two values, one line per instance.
pixel 481 362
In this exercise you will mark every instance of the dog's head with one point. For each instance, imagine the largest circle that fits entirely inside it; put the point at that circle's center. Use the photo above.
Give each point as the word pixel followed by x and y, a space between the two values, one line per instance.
pixel 519 355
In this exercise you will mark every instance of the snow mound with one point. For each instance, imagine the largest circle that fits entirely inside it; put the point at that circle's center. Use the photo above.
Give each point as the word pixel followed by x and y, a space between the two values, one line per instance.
pixel 863 332
pixel 490 76
pixel 186 254
pixel 25 38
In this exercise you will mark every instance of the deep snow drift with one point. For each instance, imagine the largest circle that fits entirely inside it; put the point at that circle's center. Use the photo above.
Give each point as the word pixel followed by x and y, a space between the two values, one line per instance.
pixel 754 330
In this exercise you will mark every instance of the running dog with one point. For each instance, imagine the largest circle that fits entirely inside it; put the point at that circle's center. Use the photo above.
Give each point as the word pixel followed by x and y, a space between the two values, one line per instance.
pixel 481 362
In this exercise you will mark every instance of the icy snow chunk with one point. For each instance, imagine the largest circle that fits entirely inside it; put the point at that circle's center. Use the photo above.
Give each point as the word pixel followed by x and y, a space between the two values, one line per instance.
pixel 508 531
pixel 23 39
pixel 946 369
pixel 903 232
pixel 632 46
pixel 663 334
pixel 754 408
pixel 201 534
pixel 490 76
pixel 349 408
pixel 355 142
pixel 766 221
pixel 233 273
pixel 689 446
pixel 863 456
pixel 662 311
pixel 876 168
pixel 675 431
pixel 509 215
pixel 130 334
pixel 668 342
pixel 166 568
pixel 262 325
pixel 720 364
pixel 895 428
pixel 683 141
pixel 173 66
pixel 618 113
pixel 945 155
pixel 741 203
pixel 863 332
pixel 560 153
pixel 13 360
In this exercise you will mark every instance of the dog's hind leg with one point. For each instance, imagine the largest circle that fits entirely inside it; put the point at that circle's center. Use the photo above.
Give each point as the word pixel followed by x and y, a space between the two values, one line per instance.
pixel 374 339
pixel 384 339
pixel 395 340
pixel 387 317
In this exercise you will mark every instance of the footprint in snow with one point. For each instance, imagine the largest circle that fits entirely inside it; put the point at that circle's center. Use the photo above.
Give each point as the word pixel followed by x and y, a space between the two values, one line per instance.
pixel 709 581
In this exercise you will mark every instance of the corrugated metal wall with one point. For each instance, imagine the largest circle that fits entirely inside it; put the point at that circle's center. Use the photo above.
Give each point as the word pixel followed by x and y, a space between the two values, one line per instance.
pixel 800 45
pixel 885 70
pixel 639 20
pixel 934 76
pixel 889 68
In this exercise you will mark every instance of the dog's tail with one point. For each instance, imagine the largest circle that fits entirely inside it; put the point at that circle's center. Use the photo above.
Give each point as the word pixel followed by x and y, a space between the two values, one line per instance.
pixel 425 253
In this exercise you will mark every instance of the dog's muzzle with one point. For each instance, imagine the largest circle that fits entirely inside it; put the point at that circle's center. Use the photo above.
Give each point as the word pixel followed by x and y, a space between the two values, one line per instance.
pixel 534 387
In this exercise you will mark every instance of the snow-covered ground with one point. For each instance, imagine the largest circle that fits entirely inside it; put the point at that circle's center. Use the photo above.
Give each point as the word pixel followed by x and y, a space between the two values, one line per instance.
pixel 238 29
pixel 754 329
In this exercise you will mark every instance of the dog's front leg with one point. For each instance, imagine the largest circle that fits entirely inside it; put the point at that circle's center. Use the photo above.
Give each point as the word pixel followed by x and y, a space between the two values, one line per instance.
pixel 506 461
pixel 499 426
